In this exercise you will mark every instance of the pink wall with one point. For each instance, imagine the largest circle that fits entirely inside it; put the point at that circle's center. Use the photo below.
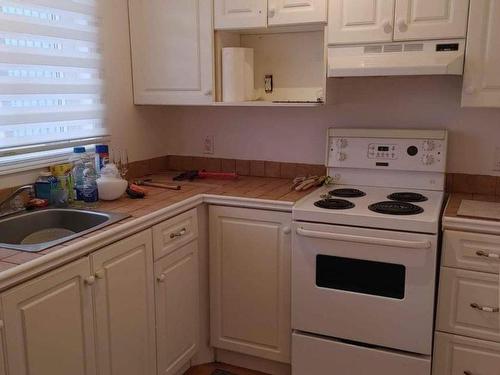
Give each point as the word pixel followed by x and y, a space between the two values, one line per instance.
pixel 298 134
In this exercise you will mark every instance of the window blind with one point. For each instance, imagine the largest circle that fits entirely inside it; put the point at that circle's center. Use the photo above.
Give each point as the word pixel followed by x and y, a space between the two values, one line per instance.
pixel 51 89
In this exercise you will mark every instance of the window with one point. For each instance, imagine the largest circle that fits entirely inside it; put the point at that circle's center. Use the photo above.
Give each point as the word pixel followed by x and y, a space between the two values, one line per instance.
pixel 50 79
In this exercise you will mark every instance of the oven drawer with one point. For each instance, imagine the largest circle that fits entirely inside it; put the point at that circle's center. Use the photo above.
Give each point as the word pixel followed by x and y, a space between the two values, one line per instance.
pixel 313 355
pixel 471 251
pixel 175 233
pixel 468 304
pixel 463 355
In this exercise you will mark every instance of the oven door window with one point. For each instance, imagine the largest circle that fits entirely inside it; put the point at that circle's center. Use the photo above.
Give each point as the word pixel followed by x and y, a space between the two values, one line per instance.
pixel 361 276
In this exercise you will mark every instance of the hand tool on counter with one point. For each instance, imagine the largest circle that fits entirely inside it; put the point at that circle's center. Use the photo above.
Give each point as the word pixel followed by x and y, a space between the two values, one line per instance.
pixel 305 183
pixel 191 175
pixel 149 182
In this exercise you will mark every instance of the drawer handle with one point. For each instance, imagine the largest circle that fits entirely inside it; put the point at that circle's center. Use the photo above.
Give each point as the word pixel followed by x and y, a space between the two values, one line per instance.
pixel 180 233
pixel 485 308
pixel 467 373
pixel 484 254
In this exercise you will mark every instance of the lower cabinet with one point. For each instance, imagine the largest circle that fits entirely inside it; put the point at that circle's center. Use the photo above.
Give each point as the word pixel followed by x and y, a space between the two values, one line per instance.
pixel 124 307
pixel 49 323
pixel 177 308
pixel 250 282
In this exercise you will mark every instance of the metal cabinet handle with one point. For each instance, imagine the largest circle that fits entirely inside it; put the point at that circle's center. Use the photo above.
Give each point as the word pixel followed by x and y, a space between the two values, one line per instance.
pixel 481 253
pixel 467 373
pixel 180 233
pixel 485 308
pixel 90 280
pixel 402 25
pixel 161 278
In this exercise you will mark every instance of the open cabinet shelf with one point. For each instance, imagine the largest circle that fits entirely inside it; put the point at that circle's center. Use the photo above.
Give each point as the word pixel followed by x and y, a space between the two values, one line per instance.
pixel 296 60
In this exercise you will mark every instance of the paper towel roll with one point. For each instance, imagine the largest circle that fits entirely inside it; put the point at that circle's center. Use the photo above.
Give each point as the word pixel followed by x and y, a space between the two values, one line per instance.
pixel 237 74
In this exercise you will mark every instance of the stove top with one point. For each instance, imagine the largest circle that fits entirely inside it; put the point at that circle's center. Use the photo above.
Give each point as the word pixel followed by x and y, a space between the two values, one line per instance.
pixel 407 197
pixel 373 209
pixel 347 193
pixel 396 208
pixel 334 204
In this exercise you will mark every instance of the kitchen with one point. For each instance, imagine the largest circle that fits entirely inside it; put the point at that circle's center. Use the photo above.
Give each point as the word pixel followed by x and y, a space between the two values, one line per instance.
pixel 284 141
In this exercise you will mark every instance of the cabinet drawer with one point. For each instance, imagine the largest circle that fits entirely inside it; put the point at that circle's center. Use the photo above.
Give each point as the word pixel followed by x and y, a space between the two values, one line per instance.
pixel 174 233
pixel 463 355
pixel 316 355
pixel 471 251
pixel 461 296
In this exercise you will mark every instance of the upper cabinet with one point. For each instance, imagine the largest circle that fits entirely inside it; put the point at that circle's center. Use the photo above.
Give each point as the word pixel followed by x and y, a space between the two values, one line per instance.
pixel 361 21
pixel 240 14
pixel 431 19
pixel 255 14
pixel 172 51
pixel 295 12
pixel 379 21
pixel 482 62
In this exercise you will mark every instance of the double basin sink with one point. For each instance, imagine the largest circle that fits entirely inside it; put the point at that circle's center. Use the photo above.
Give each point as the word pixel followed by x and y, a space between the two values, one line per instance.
pixel 39 230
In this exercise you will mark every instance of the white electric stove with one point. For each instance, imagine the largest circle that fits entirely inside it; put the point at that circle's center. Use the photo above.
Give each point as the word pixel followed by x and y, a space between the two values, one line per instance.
pixel 364 255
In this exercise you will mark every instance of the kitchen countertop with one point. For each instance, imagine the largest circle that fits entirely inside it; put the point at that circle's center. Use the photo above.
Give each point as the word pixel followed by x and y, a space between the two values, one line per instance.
pixel 159 205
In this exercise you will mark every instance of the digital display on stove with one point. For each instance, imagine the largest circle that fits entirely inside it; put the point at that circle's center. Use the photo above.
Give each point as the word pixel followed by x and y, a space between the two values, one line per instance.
pixel 383 148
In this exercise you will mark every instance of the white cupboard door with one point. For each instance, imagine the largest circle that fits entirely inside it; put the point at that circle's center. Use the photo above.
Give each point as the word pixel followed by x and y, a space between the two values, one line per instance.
pixel 124 307
pixel 177 308
pixel 240 14
pixel 431 19
pixel 49 323
pixel 3 362
pixel 482 60
pixel 172 51
pixel 250 282
pixel 296 12
pixel 360 21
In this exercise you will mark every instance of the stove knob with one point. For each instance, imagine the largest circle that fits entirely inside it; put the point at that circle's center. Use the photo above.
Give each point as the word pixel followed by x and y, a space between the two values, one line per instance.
pixel 341 156
pixel 342 143
pixel 429 145
pixel 428 159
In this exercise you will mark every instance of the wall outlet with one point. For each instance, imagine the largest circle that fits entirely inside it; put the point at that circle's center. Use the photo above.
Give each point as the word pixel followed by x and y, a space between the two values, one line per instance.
pixel 496 159
pixel 209 144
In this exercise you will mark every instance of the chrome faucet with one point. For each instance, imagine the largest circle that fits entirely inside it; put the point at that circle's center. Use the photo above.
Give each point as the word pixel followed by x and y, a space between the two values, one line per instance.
pixel 11 199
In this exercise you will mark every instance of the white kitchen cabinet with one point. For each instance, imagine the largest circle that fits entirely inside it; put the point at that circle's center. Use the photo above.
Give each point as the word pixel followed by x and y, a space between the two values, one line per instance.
pixel 360 21
pixel 482 60
pixel 240 14
pixel 296 12
pixel 125 307
pixel 172 51
pixel 250 282
pixel 3 354
pixel 49 323
pixel 431 19
pixel 177 308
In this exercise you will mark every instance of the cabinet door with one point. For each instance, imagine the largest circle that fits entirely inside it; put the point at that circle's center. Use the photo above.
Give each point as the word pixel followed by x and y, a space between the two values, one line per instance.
pixel 482 60
pixel 360 21
pixel 172 51
pixel 3 362
pixel 49 323
pixel 240 14
pixel 124 306
pixel 177 308
pixel 250 282
pixel 431 19
pixel 296 12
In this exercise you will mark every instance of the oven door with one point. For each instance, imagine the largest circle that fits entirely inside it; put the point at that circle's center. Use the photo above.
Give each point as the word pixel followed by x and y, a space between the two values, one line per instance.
pixel 370 286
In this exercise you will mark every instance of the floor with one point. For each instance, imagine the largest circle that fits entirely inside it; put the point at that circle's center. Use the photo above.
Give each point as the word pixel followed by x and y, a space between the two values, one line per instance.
pixel 208 369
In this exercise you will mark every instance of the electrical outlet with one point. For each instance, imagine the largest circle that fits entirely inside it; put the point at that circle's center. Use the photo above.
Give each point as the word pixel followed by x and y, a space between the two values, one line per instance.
pixel 209 144
pixel 496 159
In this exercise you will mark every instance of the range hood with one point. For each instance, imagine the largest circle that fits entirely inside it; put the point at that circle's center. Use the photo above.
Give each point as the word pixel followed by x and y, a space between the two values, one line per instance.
pixel 397 59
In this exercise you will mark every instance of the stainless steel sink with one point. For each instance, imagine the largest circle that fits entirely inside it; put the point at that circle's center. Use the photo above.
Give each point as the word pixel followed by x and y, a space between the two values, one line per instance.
pixel 39 230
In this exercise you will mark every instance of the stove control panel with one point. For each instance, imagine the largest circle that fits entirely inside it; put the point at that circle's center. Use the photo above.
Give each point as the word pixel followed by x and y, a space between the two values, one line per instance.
pixel 406 150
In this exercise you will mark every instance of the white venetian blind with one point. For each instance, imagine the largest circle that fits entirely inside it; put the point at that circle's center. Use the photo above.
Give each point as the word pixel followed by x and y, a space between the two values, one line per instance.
pixel 50 76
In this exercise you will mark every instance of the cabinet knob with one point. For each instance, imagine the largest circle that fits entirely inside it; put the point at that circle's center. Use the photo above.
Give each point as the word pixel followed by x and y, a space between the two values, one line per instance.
pixel 2 324
pixel 90 280
pixel 402 25
pixel 271 12
pixel 287 230
pixel 99 274
pixel 208 92
pixel 388 27
pixel 161 278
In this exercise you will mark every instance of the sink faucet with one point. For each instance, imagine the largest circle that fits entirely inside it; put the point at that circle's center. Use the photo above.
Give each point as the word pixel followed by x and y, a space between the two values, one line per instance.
pixel 12 198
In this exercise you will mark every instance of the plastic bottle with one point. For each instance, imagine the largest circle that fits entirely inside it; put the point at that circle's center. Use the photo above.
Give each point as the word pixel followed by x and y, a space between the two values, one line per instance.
pixel 102 156
pixel 78 159
pixel 90 192
pixel 44 185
